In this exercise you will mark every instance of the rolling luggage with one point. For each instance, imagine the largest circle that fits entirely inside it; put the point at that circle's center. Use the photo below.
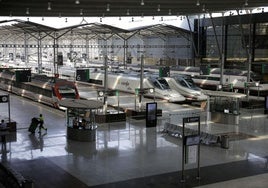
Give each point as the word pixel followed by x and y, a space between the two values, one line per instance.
pixel 33 125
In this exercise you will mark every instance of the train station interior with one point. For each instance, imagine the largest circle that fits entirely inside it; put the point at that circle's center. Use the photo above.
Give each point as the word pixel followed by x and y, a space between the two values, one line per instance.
pixel 109 79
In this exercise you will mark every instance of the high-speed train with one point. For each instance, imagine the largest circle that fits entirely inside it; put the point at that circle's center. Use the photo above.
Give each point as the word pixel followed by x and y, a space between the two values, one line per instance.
pixel 41 88
pixel 236 77
pixel 232 78
pixel 186 87
pixel 130 81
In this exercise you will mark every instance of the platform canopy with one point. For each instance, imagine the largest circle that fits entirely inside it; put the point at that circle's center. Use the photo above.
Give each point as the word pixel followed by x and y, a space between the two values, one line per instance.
pixel 80 104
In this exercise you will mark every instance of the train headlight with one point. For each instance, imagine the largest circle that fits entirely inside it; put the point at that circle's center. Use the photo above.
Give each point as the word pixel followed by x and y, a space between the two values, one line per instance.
pixel 151 90
pixel 100 93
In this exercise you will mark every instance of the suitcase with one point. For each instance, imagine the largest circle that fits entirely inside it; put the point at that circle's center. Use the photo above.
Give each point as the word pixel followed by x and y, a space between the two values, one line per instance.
pixel 33 125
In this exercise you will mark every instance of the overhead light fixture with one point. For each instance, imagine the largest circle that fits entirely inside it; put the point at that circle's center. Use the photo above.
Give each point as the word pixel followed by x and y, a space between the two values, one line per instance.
pixel 246 2
pixel 77 2
pixel 127 12
pixel 66 20
pixel 197 3
pixel 162 18
pixel 169 12
pixel 10 13
pixel 142 2
pixel 119 17
pixel 142 15
pixel 153 18
pixel 43 18
pixel 59 15
pixel 158 8
pixel 100 19
pixel 81 12
pixel 204 8
pixel 132 19
pixel 49 6
pixel 27 11
pixel 108 7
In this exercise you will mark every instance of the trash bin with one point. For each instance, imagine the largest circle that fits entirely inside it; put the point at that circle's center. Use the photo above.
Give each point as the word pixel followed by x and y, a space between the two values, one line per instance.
pixel 225 141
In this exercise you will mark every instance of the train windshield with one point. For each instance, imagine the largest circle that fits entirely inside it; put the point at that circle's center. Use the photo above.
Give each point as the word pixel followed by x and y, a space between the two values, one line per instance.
pixel 186 82
pixel 67 92
pixel 160 83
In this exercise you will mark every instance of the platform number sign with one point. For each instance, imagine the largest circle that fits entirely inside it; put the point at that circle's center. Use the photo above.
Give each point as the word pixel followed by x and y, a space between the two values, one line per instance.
pixel 3 98
pixel 23 75
pixel 82 75
pixel 164 72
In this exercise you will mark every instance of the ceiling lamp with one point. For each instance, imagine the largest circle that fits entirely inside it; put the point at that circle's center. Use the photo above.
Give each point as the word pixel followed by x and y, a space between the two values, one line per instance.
pixel 204 8
pixel 127 12
pixel 81 12
pixel 142 2
pixel 246 2
pixel 48 6
pixel 197 3
pixel 169 12
pixel 66 20
pixel 27 11
pixel 108 7
pixel 77 2
pixel 158 8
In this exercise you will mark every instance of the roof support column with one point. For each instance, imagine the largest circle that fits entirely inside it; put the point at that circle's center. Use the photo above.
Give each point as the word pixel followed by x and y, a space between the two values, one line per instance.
pixel 55 53
pixel 192 37
pixel 26 49
pixel 87 50
pixel 105 75
pixel 141 81
pixel 215 35
pixel 125 53
pixel 39 53
pixel 248 47
pixel 223 47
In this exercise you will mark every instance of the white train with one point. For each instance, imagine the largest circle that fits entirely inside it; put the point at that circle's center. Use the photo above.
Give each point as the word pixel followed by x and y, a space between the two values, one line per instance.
pixel 130 81
pixel 232 78
pixel 186 87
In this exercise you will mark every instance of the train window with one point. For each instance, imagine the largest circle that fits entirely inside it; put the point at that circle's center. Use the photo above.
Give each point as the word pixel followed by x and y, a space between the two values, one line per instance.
pixel 160 83
pixel 67 92
pixel 186 82
pixel 163 84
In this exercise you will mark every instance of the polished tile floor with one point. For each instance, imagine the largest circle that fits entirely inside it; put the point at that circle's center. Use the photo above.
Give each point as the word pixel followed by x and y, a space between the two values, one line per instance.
pixel 127 154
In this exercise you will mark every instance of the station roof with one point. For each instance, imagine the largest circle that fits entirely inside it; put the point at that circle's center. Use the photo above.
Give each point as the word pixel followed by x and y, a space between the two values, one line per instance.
pixel 97 30
pixel 111 8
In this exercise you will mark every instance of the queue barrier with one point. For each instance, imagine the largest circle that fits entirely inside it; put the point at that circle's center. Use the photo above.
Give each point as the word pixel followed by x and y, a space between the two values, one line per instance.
pixel 176 131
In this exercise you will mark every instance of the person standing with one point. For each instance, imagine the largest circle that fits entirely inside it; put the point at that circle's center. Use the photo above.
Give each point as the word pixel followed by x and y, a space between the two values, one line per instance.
pixel 3 125
pixel 41 123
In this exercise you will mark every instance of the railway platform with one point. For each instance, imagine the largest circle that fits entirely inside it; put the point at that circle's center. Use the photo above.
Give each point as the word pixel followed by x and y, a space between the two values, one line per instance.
pixel 127 154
